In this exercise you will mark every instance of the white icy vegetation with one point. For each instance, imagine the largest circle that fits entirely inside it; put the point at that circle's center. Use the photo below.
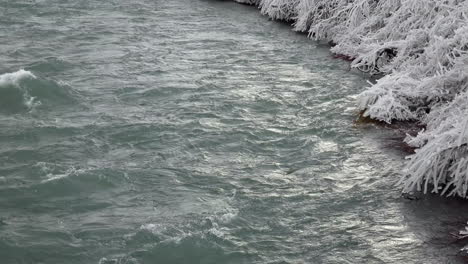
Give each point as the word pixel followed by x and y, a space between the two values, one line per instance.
pixel 422 48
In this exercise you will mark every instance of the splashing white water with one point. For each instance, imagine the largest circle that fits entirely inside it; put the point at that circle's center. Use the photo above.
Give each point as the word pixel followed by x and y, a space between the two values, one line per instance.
pixel 11 84
pixel 15 77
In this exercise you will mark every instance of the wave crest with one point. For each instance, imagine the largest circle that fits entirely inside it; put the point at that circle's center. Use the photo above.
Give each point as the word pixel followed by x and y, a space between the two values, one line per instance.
pixel 15 77
pixel 22 91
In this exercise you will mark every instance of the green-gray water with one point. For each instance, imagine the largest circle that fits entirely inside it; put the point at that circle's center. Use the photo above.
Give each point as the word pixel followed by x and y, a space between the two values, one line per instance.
pixel 193 131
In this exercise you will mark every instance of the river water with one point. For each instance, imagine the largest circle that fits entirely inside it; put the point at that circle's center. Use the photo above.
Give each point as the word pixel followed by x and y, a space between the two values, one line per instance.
pixel 194 131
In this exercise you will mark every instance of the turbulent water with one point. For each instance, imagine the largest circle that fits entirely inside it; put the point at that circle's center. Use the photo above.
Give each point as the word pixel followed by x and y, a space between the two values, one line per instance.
pixel 194 131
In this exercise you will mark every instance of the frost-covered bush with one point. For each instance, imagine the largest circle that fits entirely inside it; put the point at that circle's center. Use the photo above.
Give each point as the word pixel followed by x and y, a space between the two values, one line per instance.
pixel 441 164
pixel 249 2
pixel 422 48
pixel 279 9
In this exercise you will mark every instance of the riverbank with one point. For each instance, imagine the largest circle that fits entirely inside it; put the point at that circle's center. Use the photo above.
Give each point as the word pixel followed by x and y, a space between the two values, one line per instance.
pixel 421 48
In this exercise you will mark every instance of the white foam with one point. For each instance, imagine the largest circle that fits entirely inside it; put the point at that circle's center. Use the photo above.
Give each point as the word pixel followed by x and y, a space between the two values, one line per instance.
pixel 15 77
pixel 153 228
pixel 8 80
pixel 216 231
pixel 30 101
pixel 57 176
pixel 228 216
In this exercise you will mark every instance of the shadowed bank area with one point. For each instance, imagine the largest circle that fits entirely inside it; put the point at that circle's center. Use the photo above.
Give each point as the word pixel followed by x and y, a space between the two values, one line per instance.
pixel 194 132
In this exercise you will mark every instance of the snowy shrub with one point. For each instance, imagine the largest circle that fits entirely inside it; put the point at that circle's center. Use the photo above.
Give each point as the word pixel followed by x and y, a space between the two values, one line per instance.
pixel 441 164
pixel 279 9
pixel 248 2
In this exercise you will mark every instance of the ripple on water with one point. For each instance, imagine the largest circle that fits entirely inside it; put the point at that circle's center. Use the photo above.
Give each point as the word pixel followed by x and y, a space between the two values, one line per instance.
pixel 193 132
